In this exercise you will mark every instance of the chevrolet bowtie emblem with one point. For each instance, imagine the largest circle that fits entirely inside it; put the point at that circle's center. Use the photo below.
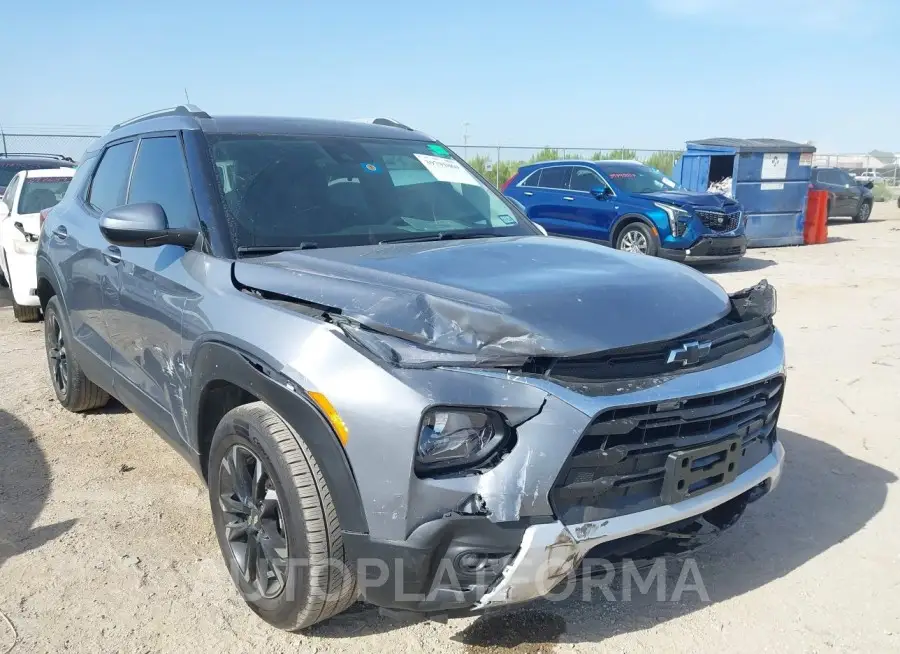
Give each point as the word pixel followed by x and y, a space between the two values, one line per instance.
pixel 690 353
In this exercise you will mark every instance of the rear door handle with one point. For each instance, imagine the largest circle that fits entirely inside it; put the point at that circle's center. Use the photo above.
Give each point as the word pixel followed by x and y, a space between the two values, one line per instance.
pixel 528 193
pixel 113 255
pixel 569 198
pixel 61 232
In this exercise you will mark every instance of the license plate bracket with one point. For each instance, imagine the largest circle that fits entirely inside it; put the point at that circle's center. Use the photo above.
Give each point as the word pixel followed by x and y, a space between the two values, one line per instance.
pixel 692 472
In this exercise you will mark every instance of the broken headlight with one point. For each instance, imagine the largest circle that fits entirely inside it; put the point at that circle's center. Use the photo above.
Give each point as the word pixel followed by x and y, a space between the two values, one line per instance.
pixel 454 438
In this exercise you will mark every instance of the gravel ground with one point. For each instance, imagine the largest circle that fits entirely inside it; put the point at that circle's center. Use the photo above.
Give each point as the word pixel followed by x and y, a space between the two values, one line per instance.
pixel 106 542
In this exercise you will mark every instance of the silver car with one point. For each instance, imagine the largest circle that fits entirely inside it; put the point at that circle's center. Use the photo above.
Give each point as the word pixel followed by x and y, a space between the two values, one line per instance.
pixel 396 386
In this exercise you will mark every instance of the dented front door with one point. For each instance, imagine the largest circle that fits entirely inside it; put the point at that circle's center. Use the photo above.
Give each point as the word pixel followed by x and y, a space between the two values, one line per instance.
pixel 144 325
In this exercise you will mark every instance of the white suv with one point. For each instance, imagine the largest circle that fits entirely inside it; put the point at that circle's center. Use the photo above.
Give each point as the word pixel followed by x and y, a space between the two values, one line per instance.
pixel 28 194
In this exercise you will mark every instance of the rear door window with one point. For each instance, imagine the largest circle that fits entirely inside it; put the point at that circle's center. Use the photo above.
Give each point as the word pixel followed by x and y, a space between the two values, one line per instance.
pixel 556 177
pixel 160 176
pixel 534 179
pixel 111 179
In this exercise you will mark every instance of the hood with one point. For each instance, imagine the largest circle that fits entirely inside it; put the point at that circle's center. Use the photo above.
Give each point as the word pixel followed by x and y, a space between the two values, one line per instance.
pixel 690 199
pixel 498 297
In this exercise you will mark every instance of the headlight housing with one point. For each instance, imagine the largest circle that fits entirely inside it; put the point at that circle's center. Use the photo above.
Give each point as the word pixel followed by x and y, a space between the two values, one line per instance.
pixel 674 214
pixel 454 438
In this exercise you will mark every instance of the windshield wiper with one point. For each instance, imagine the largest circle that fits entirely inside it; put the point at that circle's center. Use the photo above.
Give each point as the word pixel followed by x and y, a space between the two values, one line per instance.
pixel 443 236
pixel 275 249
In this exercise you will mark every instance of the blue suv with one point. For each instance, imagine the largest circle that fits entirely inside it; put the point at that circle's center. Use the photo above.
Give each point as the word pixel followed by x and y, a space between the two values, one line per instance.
pixel 631 207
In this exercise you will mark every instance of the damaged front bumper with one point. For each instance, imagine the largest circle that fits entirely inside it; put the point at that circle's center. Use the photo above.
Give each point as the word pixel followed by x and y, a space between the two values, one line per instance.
pixel 528 535
pixel 551 552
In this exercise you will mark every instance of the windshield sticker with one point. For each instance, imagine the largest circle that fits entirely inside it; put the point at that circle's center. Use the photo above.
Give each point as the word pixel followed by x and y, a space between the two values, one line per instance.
pixel 668 182
pixel 446 170
pixel 439 149
pixel 370 167
pixel 622 175
pixel 506 219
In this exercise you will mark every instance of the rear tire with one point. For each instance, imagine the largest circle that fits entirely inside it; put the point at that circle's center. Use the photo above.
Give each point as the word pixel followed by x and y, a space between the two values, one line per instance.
pixel 26 314
pixel 73 389
pixel 636 237
pixel 865 211
pixel 287 515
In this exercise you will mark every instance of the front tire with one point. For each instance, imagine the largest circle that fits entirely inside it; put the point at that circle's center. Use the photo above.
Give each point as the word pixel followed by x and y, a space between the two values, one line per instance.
pixel 862 215
pixel 637 238
pixel 275 521
pixel 73 389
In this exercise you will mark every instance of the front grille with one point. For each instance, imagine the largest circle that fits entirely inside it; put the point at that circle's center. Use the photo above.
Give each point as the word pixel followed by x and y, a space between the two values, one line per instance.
pixel 719 221
pixel 619 464
pixel 729 339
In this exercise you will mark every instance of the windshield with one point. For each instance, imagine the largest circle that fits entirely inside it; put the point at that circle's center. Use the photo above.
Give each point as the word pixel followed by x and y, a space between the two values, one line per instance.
pixel 41 193
pixel 285 192
pixel 638 179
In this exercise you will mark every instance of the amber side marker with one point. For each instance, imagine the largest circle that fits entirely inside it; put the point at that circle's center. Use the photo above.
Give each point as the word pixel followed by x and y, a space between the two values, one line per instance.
pixel 333 416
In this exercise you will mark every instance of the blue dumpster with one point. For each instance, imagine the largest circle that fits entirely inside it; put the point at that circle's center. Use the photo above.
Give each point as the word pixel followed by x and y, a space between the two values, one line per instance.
pixel 770 178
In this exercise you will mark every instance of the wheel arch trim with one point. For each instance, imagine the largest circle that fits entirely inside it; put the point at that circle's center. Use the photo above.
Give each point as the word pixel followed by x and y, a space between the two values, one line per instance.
pixel 215 361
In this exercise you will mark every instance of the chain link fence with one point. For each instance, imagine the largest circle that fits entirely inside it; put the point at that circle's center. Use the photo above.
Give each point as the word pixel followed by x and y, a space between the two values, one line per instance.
pixel 69 145
pixel 499 163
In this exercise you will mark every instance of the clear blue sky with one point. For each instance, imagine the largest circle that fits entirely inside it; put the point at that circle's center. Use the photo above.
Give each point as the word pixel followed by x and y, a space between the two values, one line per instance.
pixel 593 73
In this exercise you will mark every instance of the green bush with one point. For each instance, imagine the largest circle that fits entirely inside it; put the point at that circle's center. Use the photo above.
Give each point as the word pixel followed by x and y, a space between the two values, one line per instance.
pixel 882 192
pixel 663 161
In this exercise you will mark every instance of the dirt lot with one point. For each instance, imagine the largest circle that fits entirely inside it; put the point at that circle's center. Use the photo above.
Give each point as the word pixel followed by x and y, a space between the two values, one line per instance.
pixel 106 542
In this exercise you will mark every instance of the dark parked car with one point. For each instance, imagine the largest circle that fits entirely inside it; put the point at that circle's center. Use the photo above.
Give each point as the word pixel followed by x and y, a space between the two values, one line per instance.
pixel 10 164
pixel 631 207
pixel 394 385
pixel 847 197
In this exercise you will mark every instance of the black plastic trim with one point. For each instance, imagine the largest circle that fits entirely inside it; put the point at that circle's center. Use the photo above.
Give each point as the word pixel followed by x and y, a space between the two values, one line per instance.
pixel 216 361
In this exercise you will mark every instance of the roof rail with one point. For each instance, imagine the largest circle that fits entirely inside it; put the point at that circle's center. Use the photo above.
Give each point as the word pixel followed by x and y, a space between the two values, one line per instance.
pixel 61 157
pixel 180 110
pixel 390 122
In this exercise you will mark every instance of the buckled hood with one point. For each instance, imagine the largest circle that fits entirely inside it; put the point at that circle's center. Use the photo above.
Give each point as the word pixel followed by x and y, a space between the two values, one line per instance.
pixel 528 296
pixel 690 199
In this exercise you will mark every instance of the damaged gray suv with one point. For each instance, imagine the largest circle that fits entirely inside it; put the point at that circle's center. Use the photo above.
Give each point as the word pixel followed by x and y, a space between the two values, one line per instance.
pixel 396 387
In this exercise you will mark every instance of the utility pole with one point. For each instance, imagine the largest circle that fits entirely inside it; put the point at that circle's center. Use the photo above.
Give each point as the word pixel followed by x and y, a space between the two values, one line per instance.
pixel 186 98
pixel 466 141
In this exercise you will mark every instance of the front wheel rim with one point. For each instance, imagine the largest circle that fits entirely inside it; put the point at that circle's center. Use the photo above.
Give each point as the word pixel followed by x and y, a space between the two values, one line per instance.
pixel 253 521
pixel 634 241
pixel 59 362
pixel 864 212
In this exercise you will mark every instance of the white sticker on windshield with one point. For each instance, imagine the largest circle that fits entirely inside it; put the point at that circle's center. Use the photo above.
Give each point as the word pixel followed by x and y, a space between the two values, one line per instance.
pixel 447 170
pixel 668 182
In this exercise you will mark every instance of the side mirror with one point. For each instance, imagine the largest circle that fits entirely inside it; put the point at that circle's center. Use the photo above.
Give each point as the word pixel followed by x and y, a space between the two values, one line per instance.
pixel 600 192
pixel 4 210
pixel 869 184
pixel 143 225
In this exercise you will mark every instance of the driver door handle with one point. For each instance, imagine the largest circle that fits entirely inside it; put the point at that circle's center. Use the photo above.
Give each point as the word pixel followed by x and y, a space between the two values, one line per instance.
pixel 112 255
pixel 61 232
pixel 569 198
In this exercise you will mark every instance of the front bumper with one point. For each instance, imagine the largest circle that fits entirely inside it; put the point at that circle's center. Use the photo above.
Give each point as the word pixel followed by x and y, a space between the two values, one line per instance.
pixel 709 249
pixel 550 552
pixel 530 544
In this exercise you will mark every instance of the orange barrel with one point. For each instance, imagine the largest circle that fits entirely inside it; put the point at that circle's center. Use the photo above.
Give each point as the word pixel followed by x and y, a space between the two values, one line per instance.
pixel 822 231
pixel 815 227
